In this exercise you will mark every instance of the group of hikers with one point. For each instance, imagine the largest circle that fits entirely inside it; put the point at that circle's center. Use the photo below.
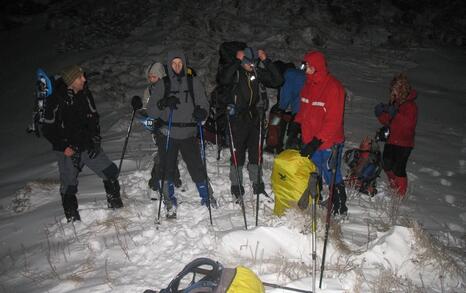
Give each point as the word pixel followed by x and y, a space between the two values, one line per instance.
pixel 177 102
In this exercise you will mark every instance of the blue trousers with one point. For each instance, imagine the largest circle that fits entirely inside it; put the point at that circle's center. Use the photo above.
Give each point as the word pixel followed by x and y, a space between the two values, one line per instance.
pixel 321 159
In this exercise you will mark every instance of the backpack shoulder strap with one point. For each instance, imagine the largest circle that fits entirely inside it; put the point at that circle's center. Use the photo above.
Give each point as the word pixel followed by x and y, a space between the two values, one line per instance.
pixel 166 83
pixel 191 89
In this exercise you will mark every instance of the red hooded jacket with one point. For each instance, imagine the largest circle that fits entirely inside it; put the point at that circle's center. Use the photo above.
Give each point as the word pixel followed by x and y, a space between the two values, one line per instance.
pixel 322 104
pixel 403 124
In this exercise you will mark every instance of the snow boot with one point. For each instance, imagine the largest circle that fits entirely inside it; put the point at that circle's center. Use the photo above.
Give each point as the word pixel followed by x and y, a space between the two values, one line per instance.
pixel 70 206
pixel 391 178
pixel 237 191
pixel 169 199
pixel 339 200
pixel 204 193
pixel 401 185
pixel 258 188
pixel 112 188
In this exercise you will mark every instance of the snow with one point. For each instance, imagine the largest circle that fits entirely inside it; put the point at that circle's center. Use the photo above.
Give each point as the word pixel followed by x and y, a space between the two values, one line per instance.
pixel 384 246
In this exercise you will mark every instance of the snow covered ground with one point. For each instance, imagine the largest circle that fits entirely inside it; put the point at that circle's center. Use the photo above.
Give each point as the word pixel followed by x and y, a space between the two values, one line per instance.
pixel 417 245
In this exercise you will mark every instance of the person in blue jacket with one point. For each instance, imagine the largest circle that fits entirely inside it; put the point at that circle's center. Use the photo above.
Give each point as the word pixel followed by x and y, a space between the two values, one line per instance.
pixel 290 98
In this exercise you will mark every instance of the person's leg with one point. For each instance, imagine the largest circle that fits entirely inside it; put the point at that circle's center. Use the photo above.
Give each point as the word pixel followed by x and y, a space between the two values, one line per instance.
pixel 103 167
pixel 68 186
pixel 255 171
pixel 240 135
pixel 399 169
pixel 388 159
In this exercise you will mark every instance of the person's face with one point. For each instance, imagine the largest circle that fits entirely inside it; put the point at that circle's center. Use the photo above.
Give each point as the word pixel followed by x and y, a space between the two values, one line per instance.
pixel 310 69
pixel 247 67
pixel 78 84
pixel 152 78
pixel 177 65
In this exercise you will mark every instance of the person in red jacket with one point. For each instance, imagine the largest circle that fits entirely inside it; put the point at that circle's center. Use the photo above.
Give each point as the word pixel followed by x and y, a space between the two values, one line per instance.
pixel 400 117
pixel 321 117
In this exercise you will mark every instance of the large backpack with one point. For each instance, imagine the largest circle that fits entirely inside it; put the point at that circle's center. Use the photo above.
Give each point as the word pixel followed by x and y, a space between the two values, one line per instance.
pixel 290 178
pixel 209 276
pixel 365 166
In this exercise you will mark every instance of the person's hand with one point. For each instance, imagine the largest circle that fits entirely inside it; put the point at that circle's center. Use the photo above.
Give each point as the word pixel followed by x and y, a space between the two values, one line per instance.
pixel 231 110
pixel 136 103
pixel 95 147
pixel 262 55
pixel 309 149
pixel 69 151
pixel 199 114
pixel 240 55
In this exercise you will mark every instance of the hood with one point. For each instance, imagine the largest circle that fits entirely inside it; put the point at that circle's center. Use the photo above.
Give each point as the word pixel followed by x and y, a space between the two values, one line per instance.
pixel 172 54
pixel 294 74
pixel 412 95
pixel 317 59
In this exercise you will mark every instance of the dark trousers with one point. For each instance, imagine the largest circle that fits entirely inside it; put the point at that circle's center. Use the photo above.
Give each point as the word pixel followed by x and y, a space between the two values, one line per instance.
pixel 190 152
pixel 395 159
pixel 246 138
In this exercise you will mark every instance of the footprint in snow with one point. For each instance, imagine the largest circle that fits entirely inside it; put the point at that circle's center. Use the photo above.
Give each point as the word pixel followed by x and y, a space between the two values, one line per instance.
pixel 445 182
pixel 430 171
pixel 450 199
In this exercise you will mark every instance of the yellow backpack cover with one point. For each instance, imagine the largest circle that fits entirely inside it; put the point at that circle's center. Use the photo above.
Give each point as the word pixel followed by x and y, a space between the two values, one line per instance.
pixel 245 281
pixel 290 177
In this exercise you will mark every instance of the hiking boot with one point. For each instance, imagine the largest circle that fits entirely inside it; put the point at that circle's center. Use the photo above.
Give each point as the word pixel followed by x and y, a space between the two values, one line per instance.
pixel 153 195
pixel 171 212
pixel 237 191
pixel 213 202
pixel 112 188
pixel 114 202
pixel 258 188
pixel 72 216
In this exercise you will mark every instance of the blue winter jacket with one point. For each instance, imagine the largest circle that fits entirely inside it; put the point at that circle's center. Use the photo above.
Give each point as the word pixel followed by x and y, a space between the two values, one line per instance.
pixel 289 93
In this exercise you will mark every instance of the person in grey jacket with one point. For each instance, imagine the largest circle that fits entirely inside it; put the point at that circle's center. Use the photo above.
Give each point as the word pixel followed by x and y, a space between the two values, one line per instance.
pixel 182 97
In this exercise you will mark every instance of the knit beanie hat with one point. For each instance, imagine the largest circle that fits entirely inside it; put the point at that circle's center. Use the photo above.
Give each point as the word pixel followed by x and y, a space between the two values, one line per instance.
pixel 71 73
pixel 156 69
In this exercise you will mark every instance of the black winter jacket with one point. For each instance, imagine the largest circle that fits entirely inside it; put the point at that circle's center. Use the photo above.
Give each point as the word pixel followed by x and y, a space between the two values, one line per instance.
pixel 70 119
pixel 244 90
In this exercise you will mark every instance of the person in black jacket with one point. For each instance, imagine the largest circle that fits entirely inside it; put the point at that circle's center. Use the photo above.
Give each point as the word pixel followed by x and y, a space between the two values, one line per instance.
pixel 246 102
pixel 72 127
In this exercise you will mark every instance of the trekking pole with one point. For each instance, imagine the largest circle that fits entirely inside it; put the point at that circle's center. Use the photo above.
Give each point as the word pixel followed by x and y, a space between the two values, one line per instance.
pixel 285 288
pixel 259 167
pixel 235 164
pixel 314 192
pixel 167 143
pixel 137 104
pixel 333 166
pixel 204 163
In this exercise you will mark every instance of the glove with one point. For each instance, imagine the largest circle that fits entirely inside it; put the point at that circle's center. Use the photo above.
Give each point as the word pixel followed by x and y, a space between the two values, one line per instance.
pixel 309 149
pixel 231 110
pixel 136 102
pixel 94 150
pixel 169 102
pixel 379 109
pixel 199 114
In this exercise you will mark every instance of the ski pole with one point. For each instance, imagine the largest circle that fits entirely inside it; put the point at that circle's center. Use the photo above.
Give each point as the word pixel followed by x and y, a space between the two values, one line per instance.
pixel 285 288
pixel 167 143
pixel 333 167
pixel 313 190
pixel 259 167
pixel 137 104
pixel 235 164
pixel 204 163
